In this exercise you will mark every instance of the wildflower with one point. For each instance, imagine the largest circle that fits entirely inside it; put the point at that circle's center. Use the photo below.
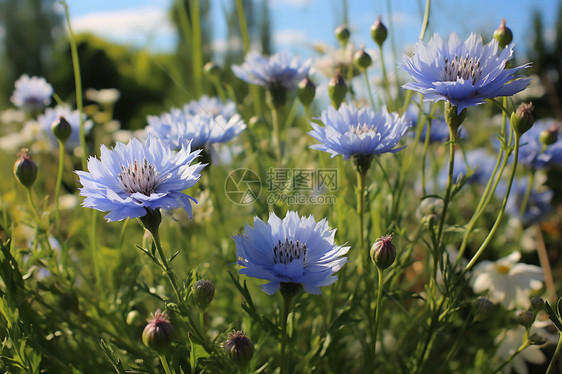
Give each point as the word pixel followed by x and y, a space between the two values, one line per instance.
pixel 522 119
pixel 135 177
pixel 383 252
pixel 25 169
pixel 239 348
pixel 211 106
pixel 503 35
pixel 72 117
pixel 533 153
pixel 337 60
pixel 295 250
pixel 337 89
pixel 342 34
pixel 106 96
pixel 204 291
pixel 379 32
pixel 159 333
pixel 31 93
pixel 194 123
pixel 507 281
pixel 538 203
pixel 508 342
pixel 358 132
pixel 463 73
pixel 306 91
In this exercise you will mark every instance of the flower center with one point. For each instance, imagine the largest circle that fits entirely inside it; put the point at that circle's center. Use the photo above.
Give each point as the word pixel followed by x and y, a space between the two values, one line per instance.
pixel 464 67
pixel 503 269
pixel 362 129
pixel 288 251
pixel 139 177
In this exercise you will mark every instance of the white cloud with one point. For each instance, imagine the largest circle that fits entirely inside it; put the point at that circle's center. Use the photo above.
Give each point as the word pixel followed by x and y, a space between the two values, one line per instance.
pixel 134 26
pixel 289 37
pixel 222 45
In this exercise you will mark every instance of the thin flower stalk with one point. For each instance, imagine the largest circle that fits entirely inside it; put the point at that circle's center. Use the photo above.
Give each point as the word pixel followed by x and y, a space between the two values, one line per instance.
pixel 552 365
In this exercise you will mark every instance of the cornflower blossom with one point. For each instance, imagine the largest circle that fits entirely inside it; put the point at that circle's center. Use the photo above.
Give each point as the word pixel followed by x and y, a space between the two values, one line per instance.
pixel 290 250
pixel 507 281
pixel 278 70
pixel 211 106
pixel 358 132
pixel 179 127
pixel 538 204
pixel 463 73
pixel 72 117
pixel 135 177
pixel 533 154
pixel 32 93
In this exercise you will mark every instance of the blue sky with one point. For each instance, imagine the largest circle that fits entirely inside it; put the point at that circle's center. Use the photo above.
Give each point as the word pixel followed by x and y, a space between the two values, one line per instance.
pixel 299 24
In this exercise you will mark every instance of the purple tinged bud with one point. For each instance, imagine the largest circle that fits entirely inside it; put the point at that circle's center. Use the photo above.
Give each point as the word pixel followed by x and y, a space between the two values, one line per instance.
pixel 503 35
pixel 61 129
pixel 25 170
pixel 159 333
pixel 337 89
pixel 383 252
pixel 204 291
pixel 343 34
pixel 379 32
pixel 362 59
pixel 522 119
pixel 306 91
pixel 239 348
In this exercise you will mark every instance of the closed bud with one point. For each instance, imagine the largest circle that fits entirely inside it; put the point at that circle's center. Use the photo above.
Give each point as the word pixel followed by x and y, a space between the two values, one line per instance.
pixel 549 136
pixel 525 318
pixel 212 70
pixel 343 34
pixel 362 59
pixel 306 91
pixel 337 89
pixel 133 317
pixel 522 119
pixel 537 303
pixel 61 129
pixel 482 308
pixel 25 169
pixel 158 334
pixel 452 116
pixel 379 32
pixel 383 252
pixel 239 348
pixel 204 291
pixel 503 35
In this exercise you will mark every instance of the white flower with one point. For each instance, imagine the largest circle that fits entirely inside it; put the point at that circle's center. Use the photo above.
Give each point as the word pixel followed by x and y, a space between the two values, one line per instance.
pixel 509 341
pixel 506 281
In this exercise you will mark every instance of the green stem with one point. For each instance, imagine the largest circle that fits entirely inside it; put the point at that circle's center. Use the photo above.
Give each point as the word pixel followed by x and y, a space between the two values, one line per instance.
pixel 202 320
pixel 276 136
pixel 371 99
pixel 95 254
pixel 165 365
pixel 551 367
pixel 59 182
pixel 452 140
pixel 519 350
pixel 197 58
pixel 425 149
pixel 425 21
pixel 385 81
pixel 284 335
pixel 361 214
pixel 78 86
pixel 525 200
pixel 502 210
pixel 166 267
pixel 378 311
pixel 243 25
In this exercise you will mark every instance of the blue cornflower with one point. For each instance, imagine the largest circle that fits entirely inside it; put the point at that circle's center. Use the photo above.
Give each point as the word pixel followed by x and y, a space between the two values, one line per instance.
pixel 533 153
pixel 179 127
pixel 358 132
pixel 72 117
pixel 31 93
pixel 293 250
pixel 537 206
pixel 463 73
pixel 211 106
pixel 134 177
pixel 273 71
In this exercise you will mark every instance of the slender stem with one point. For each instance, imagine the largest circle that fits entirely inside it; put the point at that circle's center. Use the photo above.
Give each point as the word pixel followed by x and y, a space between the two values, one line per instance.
pixel 276 136
pixel 378 311
pixel 78 86
pixel 284 335
pixel 545 264
pixel 197 58
pixel 361 214
pixel 167 270
pixel 551 367
pixel 202 320
pixel 59 182
pixel 502 210
pixel 452 140
pixel 525 200
pixel 425 21
pixel 385 80
pixel 425 148
pixel 184 20
pixel 95 254
pixel 165 365
pixel 33 207
pixel 371 99
pixel 243 25
pixel 521 348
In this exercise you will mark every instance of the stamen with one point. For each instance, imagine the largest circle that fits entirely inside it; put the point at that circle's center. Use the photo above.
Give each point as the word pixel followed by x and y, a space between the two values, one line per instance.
pixel 139 178
pixel 362 129
pixel 288 251
pixel 462 68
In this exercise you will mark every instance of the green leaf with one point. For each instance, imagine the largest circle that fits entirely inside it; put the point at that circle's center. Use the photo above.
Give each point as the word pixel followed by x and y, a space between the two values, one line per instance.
pixel 112 357
pixel 553 317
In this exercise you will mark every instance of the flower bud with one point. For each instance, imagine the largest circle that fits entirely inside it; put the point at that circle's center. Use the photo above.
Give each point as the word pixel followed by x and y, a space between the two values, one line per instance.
pixel 25 169
pixel 379 32
pixel 239 348
pixel 212 70
pixel 61 129
pixel 343 34
pixel 537 303
pixel 503 35
pixel 204 291
pixel 383 252
pixel 306 91
pixel 525 318
pixel 362 59
pixel 522 119
pixel 337 89
pixel 452 116
pixel 481 308
pixel 133 317
pixel 549 136
pixel 158 334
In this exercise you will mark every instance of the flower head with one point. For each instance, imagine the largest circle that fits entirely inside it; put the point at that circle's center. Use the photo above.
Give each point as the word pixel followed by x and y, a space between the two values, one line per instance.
pixel 31 93
pixel 463 73
pixel 507 281
pixel 353 132
pixel 538 203
pixel 277 70
pixel 159 333
pixel 532 152
pixel 203 123
pixel 134 177
pixel 72 117
pixel 293 250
